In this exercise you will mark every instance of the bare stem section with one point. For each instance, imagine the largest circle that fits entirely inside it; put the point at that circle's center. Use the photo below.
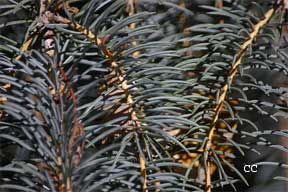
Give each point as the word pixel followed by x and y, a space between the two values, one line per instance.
pixel 89 34
pixel 24 47
pixel 220 6
pixel 223 93
pixel 143 173
pixel 131 11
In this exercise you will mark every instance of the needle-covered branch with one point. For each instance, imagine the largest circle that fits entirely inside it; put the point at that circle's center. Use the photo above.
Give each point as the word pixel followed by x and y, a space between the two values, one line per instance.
pixel 223 94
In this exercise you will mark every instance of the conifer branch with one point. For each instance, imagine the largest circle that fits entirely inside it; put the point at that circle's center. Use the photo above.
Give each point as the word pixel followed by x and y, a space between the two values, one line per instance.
pixel 115 73
pixel 63 183
pixel 223 94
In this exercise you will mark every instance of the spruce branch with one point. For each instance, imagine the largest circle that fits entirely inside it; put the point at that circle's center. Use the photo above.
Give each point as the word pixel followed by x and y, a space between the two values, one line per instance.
pixel 134 118
pixel 63 183
pixel 117 76
pixel 223 93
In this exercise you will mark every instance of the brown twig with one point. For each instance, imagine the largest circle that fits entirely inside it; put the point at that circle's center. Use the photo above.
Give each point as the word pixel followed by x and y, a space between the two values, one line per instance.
pixel 223 93
pixel 134 118
pixel 182 18
pixel 131 11
pixel 24 47
pixel 220 6
pixel 143 173
pixel 66 4
pixel 182 21
pixel 89 34
pixel 44 18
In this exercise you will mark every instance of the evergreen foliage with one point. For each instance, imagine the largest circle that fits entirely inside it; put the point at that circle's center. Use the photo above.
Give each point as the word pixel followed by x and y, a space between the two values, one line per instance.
pixel 140 95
